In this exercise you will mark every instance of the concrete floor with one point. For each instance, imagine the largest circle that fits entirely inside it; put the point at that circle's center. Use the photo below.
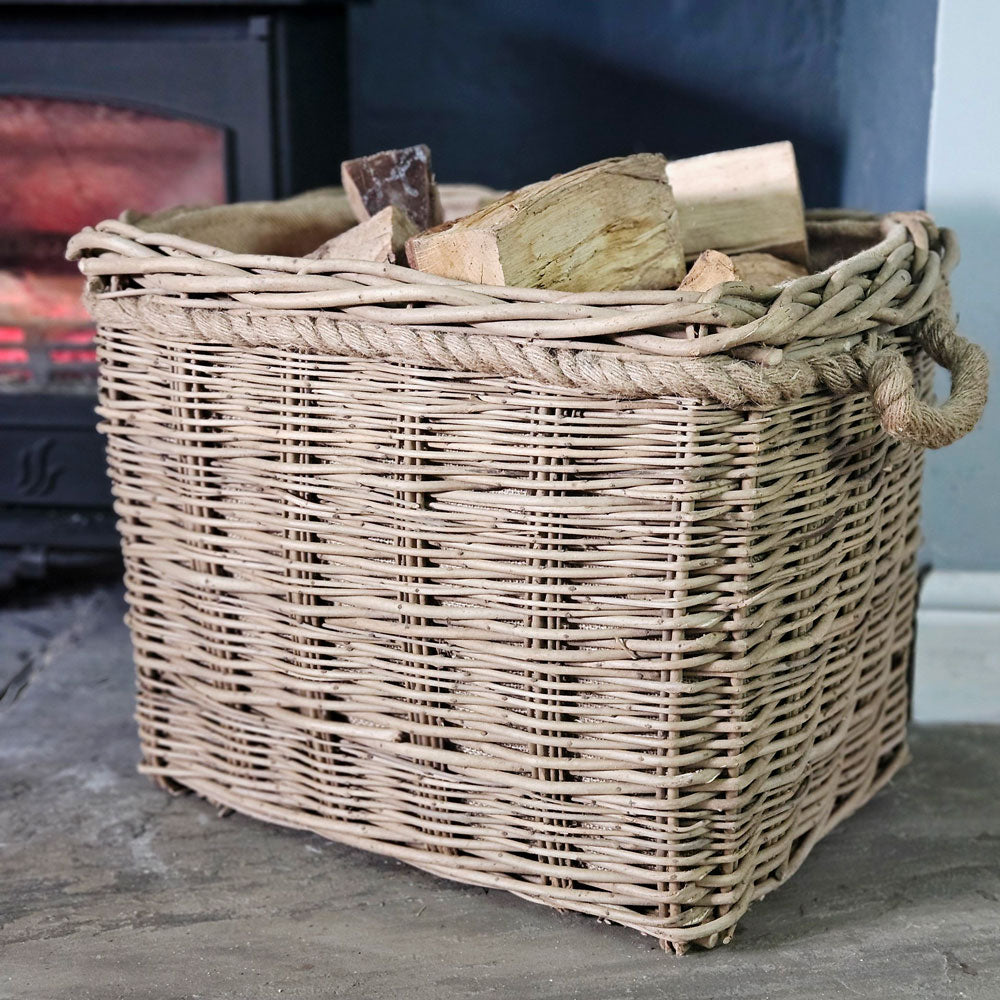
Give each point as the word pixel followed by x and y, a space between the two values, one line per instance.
pixel 110 888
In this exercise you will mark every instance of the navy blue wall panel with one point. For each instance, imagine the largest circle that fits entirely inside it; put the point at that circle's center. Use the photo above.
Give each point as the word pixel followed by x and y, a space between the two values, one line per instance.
pixel 510 91
pixel 886 74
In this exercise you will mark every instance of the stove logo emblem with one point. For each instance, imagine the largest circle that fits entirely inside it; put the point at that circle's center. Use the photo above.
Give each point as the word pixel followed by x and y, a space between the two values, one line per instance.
pixel 37 474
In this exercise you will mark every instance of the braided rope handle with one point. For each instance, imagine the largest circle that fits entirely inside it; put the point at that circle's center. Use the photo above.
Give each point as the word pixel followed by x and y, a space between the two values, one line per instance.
pixel 907 417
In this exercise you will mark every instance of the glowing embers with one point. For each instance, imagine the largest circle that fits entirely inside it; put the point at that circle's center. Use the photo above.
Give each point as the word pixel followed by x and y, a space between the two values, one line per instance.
pixel 46 338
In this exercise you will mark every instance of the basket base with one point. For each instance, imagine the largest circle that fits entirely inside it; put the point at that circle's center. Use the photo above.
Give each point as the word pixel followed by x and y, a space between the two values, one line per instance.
pixel 226 798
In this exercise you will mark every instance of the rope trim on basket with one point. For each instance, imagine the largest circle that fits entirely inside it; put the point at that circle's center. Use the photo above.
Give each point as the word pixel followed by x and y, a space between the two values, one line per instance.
pixel 872 365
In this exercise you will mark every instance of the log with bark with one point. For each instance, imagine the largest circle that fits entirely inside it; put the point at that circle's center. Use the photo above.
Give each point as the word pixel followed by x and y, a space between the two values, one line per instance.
pixel 608 225
pixel 400 177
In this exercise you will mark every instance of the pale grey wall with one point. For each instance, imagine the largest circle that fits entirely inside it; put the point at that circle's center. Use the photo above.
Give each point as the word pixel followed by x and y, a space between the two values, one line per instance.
pixel 962 490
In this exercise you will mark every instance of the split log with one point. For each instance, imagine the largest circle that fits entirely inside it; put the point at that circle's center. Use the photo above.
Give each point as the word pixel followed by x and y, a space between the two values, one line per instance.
pixel 400 177
pixel 766 269
pixel 741 200
pixel 380 238
pixel 609 225
pixel 762 269
pixel 459 200
pixel 710 269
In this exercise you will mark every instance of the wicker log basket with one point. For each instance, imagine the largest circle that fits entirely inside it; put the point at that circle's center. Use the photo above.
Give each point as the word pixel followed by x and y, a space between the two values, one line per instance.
pixel 603 599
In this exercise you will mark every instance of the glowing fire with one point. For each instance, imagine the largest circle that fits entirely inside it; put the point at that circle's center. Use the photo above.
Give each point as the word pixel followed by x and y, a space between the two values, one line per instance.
pixel 66 165
pixel 69 164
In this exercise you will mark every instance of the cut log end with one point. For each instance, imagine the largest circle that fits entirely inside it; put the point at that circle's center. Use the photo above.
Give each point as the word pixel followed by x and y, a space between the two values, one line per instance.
pixel 381 238
pixel 741 200
pixel 400 177
pixel 760 269
pixel 710 269
pixel 763 269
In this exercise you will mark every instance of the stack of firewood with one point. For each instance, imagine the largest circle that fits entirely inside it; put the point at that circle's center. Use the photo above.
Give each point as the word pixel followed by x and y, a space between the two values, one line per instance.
pixel 632 222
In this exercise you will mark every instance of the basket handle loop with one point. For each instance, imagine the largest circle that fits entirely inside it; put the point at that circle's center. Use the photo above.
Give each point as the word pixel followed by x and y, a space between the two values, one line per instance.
pixel 903 415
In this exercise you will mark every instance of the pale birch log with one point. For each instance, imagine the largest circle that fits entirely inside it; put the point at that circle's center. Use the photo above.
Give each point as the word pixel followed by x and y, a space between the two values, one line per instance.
pixel 741 200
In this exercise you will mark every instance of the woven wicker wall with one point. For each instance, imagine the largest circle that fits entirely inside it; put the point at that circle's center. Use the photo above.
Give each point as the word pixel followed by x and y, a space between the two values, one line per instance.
pixel 626 657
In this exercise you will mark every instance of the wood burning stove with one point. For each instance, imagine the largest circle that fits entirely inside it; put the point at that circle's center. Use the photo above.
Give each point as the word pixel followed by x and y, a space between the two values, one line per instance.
pixel 106 106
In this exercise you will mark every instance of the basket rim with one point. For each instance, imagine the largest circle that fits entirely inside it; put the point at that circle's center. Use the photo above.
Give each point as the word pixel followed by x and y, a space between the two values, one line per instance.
pixel 885 286
pixel 735 344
